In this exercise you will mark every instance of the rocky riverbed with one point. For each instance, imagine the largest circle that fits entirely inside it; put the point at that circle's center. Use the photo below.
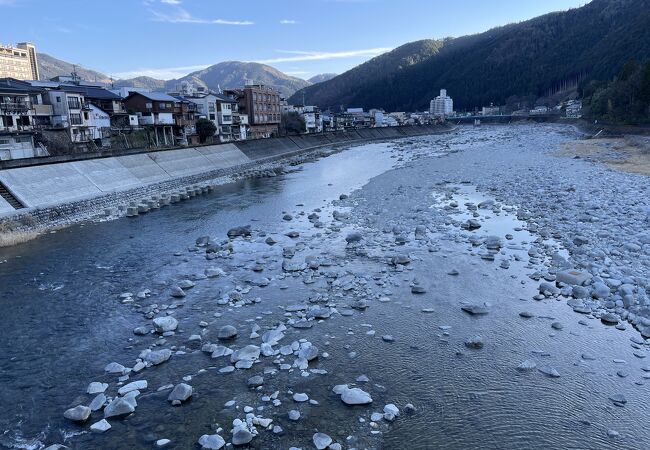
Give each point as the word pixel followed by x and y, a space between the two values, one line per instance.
pixel 471 290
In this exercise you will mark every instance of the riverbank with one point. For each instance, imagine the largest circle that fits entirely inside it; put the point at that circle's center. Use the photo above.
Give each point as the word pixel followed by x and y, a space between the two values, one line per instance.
pixel 630 153
pixel 63 193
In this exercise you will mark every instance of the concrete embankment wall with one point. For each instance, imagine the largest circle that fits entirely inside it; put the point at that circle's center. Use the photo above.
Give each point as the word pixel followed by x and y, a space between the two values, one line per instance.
pixel 45 185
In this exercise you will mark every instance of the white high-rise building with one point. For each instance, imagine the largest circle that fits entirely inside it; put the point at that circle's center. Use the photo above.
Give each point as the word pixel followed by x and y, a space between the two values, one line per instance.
pixel 442 105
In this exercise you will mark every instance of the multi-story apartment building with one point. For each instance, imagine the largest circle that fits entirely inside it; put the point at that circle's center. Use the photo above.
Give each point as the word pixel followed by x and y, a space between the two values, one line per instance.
pixel 226 106
pixel 312 118
pixel 19 62
pixel 21 112
pixel 206 107
pixel 262 105
pixel 442 105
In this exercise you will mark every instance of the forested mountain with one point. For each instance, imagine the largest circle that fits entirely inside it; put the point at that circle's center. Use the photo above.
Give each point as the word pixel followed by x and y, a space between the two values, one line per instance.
pixel 625 99
pixel 341 90
pixel 531 58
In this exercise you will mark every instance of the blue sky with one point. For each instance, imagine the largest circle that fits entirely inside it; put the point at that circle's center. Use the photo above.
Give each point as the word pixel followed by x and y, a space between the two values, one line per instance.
pixel 170 38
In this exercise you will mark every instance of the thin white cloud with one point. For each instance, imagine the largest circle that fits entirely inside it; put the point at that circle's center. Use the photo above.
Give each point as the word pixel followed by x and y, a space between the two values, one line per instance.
pixel 7 2
pixel 171 2
pixel 182 16
pixel 288 22
pixel 319 56
pixel 167 73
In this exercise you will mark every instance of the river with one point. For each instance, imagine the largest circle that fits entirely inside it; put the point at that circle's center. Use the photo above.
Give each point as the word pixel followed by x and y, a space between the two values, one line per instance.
pixel 64 320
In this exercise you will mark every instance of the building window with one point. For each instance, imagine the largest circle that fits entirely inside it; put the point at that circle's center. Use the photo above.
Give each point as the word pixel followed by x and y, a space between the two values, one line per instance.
pixel 212 116
pixel 74 103
pixel 161 105
pixel 75 119
pixel 148 105
pixel 58 99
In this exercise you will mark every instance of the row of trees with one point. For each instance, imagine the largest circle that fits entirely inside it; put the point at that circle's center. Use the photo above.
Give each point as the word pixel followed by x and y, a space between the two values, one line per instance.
pixel 625 99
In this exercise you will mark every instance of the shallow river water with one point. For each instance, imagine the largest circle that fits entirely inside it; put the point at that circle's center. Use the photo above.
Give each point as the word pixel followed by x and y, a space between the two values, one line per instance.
pixel 64 321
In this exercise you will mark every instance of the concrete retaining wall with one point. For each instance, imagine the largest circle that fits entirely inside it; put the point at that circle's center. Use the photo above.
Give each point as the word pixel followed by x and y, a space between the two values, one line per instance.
pixel 52 184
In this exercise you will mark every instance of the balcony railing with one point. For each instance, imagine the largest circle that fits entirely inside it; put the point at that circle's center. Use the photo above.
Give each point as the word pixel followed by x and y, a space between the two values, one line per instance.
pixel 43 110
pixel 14 107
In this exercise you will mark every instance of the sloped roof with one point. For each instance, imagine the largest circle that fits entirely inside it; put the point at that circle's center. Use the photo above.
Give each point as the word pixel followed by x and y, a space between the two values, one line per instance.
pixel 156 96
pixel 13 85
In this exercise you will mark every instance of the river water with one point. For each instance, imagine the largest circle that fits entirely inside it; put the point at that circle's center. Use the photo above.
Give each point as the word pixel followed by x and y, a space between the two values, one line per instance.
pixel 64 321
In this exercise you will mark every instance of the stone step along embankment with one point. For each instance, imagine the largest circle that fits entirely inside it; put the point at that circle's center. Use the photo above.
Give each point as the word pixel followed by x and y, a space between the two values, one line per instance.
pixel 65 192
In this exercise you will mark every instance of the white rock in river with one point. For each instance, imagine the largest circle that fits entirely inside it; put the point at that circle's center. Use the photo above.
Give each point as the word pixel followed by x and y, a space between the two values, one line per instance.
pixel 321 441
pixel 241 436
pixel 101 426
pixel 272 337
pixel 248 353
pixel 133 386
pixel 77 414
pixel 227 332
pixel 300 397
pixel 309 353
pixel 158 356
pixel 97 388
pixel 120 406
pixel 211 442
pixel 164 324
pixel 391 409
pixel 526 365
pixel 355 396
pixel 550 371
pixel 114 368
pixel 98 402
pixel 180 393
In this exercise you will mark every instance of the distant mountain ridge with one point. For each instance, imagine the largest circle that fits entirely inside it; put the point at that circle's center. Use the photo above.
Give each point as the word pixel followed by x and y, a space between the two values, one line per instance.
pixel 526 59
pixel 233 74
pixel 321 77
pixel 224 75
pixel 50 67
